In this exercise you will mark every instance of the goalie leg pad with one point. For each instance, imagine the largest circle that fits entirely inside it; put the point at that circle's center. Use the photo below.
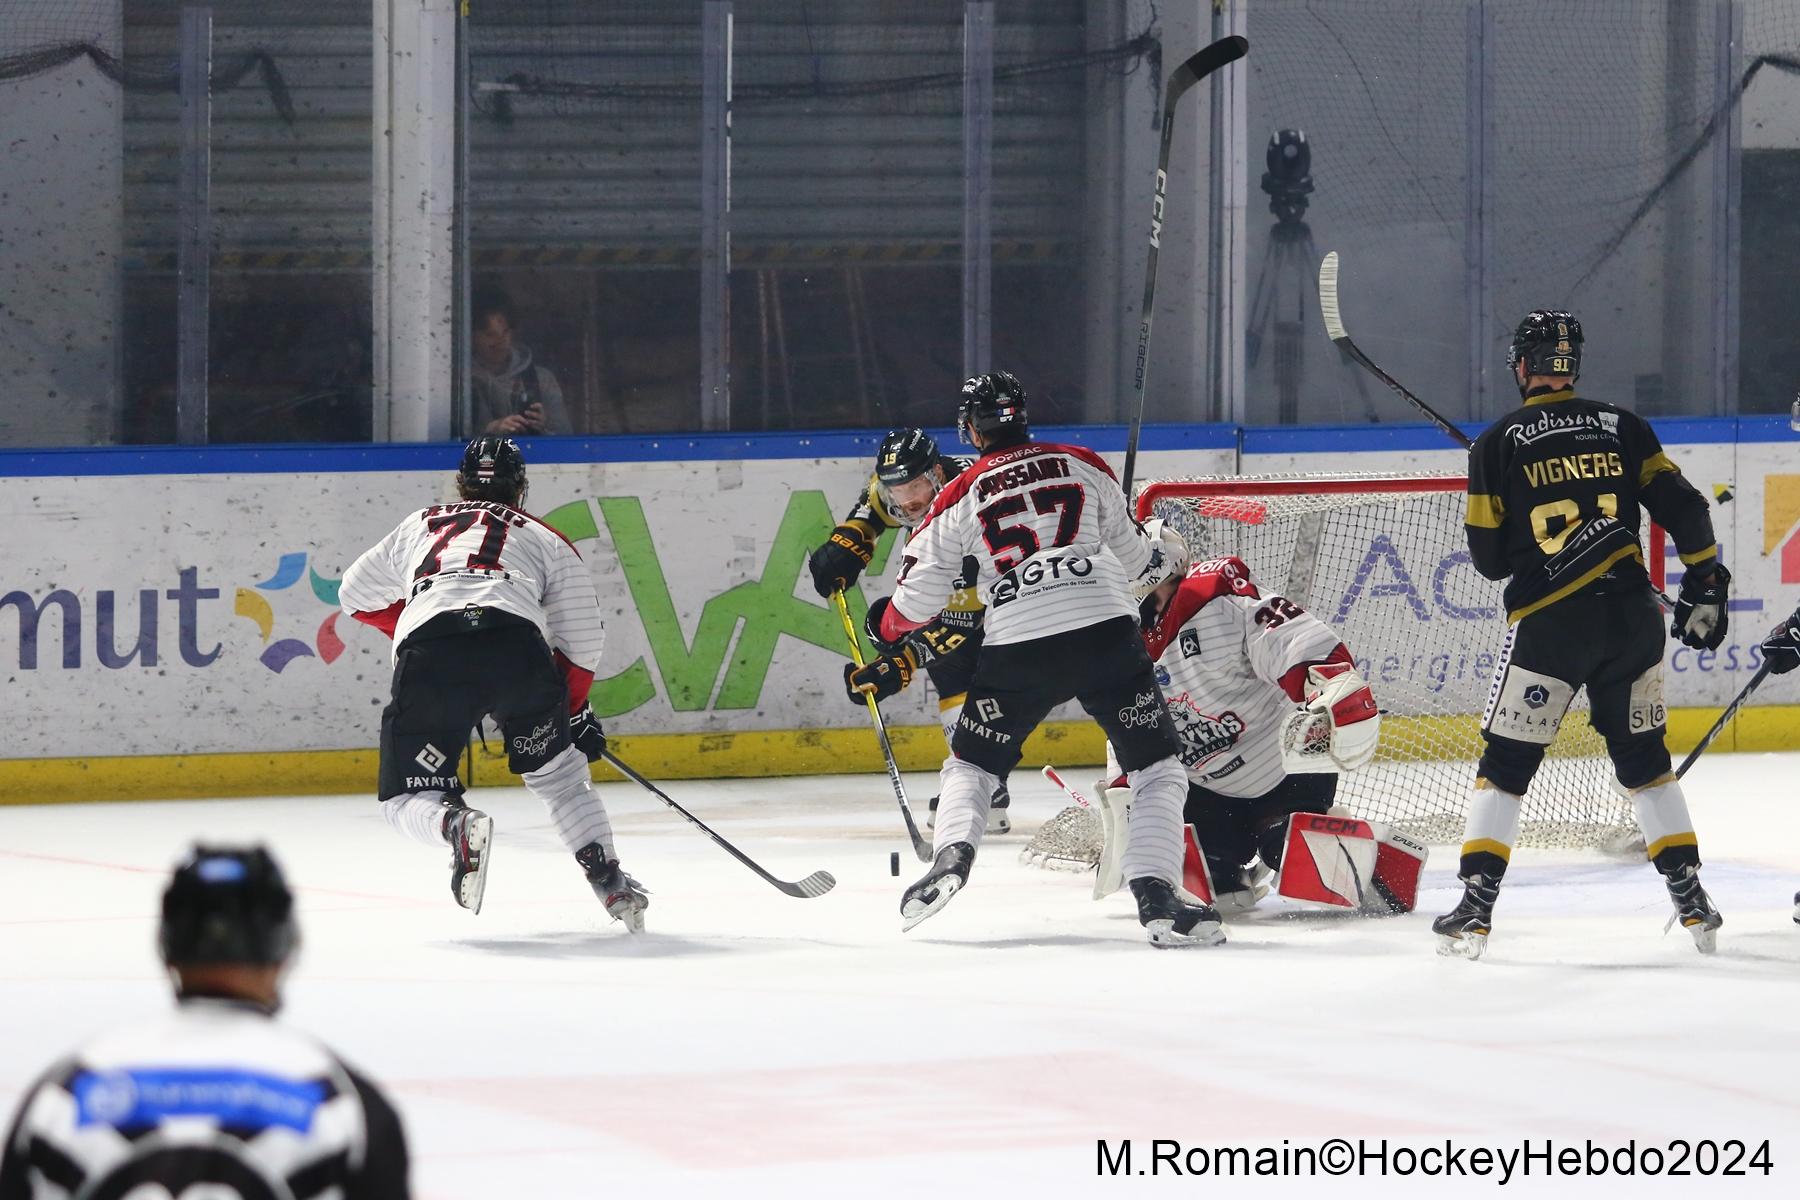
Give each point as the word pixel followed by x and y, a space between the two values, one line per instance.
pixel 1346 862
pixel 1115 815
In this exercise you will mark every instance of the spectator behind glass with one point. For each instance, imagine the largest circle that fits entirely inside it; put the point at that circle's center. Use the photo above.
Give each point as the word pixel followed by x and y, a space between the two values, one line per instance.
pixel 512 396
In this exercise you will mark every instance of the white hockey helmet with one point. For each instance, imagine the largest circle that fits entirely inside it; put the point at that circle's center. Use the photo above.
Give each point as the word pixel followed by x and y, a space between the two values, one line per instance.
pixel 1168 558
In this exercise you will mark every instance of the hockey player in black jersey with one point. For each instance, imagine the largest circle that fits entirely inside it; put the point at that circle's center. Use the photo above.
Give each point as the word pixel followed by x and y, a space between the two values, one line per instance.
pixel 215 1098
pixel 909 472
pixel 1555 489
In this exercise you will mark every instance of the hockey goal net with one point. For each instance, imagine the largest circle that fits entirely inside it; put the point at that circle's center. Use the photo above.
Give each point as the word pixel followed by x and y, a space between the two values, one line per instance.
pixel 1383 561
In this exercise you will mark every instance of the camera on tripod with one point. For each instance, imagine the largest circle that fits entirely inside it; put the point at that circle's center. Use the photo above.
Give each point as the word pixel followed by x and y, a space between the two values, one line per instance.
pixel 1288 181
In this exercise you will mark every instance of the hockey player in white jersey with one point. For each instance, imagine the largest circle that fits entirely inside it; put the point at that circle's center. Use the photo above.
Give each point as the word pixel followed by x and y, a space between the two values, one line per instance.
pixel 215 1098
pixel 909 473
pixel 1054 552
pixel 492 613
pixel 1269 707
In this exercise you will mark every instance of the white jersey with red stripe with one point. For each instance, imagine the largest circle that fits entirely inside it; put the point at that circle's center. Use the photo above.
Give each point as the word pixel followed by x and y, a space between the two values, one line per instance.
pixel 1232 659
pixel 479 553
pixel 1050 535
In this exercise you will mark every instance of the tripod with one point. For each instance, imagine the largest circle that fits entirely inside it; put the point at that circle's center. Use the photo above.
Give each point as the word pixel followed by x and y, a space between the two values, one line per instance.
pixel 1286 282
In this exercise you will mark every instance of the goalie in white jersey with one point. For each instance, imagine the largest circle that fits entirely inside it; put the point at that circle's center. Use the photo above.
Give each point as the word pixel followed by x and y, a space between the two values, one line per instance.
pixel 492 613
pixel 1044 533
pixel 1269 707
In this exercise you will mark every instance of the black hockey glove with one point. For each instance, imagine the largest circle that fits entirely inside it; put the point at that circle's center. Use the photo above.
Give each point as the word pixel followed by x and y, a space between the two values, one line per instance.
pixel 1781 649
pixel 1700 618
pixel 886 676
pixel 585 732
pixel 872 627
pixel 837 563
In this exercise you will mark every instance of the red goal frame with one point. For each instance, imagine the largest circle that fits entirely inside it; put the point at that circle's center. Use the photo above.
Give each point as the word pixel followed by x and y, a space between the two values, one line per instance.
pixel 1159 489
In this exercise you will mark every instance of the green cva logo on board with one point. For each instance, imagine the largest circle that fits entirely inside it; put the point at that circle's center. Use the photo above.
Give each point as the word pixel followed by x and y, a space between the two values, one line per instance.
pixel 725 663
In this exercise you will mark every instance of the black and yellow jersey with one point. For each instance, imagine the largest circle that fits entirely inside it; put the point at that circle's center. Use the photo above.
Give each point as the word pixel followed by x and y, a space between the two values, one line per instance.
pixel 964 610
pixel 1554 495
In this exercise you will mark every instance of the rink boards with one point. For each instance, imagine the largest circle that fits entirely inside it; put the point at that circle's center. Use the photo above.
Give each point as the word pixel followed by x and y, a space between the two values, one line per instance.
pixel 168 618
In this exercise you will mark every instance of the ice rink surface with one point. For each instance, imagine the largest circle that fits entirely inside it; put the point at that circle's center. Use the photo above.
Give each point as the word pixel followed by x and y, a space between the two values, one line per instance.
pixel 756 1045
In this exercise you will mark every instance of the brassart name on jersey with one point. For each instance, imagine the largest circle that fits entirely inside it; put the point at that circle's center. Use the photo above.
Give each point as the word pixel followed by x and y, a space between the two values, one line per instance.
pixel 1029 471
pixel 1203 736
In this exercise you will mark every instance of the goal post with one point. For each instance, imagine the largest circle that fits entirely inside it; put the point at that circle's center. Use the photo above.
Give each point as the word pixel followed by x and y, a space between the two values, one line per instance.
pixel 1382 559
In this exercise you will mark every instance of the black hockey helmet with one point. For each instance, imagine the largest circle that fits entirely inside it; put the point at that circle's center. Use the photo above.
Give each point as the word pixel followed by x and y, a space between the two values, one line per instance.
pixel 992 405
pixel 1548 342
pixel 904 455
pixel 492 469
pixel 227 904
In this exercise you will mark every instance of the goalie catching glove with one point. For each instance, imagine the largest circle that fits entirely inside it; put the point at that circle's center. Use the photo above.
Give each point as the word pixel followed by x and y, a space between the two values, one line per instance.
pixel 586 734
pixel 1339 726
pixel 885 676
pixel 837 563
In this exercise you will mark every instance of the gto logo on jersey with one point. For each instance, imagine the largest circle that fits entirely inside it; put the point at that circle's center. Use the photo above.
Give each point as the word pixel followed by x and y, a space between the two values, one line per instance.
pixel 431 758
pixel 1063 567
pixel 1202 734
pixel 536 742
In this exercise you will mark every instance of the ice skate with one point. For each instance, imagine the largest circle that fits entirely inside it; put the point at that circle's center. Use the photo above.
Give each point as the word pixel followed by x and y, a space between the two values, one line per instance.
pixel 1797 908
pixel 946 877
pixel 1170 920
pixel 469 830
pixel 623 896
pixel 999 817
pixel 1693 908
pixel 1463 931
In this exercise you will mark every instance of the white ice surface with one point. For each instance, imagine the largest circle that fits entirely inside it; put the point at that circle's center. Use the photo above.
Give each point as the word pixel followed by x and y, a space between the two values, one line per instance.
pixel 751 1044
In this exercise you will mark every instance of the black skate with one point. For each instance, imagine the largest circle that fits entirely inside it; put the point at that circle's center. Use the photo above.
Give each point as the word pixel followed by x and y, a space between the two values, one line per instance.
pixel 1797 908
pixel 469 830
pixel 1463 931
pixel 623 896
pixel 1693 908
pixel 999 814
pixel 948 873
pixel 1169 917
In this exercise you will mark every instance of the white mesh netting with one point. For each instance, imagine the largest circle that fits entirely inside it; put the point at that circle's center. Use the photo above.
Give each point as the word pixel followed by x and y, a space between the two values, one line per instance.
pixel 1382 560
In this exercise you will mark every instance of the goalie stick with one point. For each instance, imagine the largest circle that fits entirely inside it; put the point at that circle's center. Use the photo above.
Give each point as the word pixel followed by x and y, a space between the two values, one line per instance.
pixel 1198 66
pixel 1340 337
pixel 813 886
pixel 920 846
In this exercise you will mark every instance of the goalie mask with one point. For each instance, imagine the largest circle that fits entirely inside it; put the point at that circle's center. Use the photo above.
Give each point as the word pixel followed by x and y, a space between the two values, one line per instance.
pixel 492 469
pixel 1548 342
pixel 1168 559
pixel 906 473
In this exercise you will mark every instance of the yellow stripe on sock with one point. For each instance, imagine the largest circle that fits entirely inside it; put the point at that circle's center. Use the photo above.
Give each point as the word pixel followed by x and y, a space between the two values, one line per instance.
pixel 1488 846
pixel 1674 839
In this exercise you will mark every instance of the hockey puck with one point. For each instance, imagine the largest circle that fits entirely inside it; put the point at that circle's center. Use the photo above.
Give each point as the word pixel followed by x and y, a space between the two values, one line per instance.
pixel 894 863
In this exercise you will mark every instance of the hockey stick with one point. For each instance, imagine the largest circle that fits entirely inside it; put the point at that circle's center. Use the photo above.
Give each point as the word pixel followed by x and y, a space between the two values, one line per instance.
pixel 1199 65
pixel 1107 871
pixel 814 885
pixel 921 847
pixel 1334 327
pixel 1725 717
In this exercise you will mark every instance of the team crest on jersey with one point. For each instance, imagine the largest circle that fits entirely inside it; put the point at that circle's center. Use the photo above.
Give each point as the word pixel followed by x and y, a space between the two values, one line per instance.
pixel 1203 735
pixel 1190 643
